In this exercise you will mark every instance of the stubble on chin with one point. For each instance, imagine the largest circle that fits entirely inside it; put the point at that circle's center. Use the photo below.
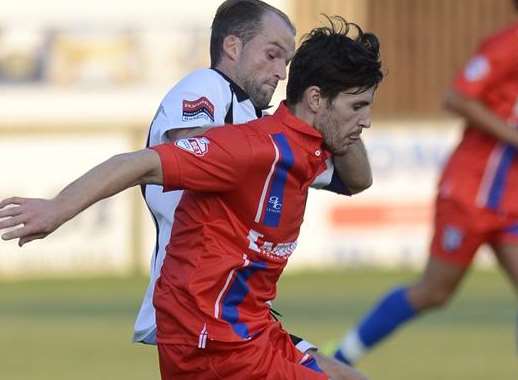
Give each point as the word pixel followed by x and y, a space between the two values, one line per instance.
pixel 263 98
pixel 259 96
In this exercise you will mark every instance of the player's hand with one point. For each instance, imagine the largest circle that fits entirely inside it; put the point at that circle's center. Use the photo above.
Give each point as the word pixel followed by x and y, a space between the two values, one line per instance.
pixel 27 218
pixel 336 370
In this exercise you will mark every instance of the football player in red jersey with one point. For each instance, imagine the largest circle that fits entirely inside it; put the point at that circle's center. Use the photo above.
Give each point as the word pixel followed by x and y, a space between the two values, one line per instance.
pixel 239 219
pixel 477 200
pixel 251 44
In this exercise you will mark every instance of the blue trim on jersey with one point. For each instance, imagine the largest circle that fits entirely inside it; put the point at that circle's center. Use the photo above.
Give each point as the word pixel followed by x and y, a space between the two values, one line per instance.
pixel 236 295
pixel 275 199
pixel 337 186
pixel 512 229
pixel 312 364
pixel 498 186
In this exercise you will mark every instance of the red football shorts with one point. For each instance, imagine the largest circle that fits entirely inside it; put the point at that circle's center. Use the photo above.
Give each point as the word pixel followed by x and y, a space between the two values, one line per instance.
pixel 269 356
pixel 460 230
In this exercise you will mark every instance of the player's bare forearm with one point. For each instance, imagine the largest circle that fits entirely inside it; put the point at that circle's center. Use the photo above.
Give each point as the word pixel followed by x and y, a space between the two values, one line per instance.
pixel 109 178
pixel 32 219
pixel 336 370
pixel 354 168
pixel 479 116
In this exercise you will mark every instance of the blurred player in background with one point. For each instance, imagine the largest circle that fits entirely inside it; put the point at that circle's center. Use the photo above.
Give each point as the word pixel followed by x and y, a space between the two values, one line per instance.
pixel 251 44
pixel 239 221
pixel 477 200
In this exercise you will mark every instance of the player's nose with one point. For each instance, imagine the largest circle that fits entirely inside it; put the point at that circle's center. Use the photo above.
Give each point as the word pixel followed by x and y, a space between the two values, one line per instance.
pixel 280 70
pixel 365 123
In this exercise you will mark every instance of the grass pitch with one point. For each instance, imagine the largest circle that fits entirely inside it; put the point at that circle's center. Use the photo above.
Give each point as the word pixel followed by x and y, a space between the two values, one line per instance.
pixel 81 329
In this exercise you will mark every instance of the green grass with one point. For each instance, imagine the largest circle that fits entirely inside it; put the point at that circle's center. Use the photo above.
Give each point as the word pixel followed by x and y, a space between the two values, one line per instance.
pixel 472 339
pixel 81 329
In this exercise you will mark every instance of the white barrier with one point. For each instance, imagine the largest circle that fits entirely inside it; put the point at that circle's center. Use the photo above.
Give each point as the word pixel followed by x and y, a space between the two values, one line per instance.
pixel 99 240
pixel 387 225
pixel 390 224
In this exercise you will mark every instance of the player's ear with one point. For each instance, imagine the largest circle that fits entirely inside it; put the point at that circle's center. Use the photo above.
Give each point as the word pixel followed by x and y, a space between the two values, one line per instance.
pixel 313 98
pixel 232 46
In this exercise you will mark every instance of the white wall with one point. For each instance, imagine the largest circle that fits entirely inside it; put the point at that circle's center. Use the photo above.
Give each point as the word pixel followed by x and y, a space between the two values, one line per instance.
pixel 388 225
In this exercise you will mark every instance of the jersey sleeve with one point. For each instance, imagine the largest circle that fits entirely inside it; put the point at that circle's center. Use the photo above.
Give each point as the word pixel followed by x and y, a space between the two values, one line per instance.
pixel 215 162
pixel 328 179
pixel 491 64
pixel 199 100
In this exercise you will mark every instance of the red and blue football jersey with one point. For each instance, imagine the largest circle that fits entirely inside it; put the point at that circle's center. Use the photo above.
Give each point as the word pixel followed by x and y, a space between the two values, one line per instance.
pixel 235 227
pixel 483 171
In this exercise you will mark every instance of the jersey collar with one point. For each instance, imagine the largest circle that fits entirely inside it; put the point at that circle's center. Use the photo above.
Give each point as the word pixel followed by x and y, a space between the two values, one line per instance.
pixel 292 121
pixel 241 95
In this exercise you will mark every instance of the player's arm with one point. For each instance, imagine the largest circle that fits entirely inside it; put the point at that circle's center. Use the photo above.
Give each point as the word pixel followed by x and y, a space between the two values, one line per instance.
pixel 353 168
pixel 36 218
pixel 479 116
pixel 346 174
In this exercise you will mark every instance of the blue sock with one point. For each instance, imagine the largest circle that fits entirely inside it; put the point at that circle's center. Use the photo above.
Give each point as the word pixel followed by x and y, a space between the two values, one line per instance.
pixel 391 312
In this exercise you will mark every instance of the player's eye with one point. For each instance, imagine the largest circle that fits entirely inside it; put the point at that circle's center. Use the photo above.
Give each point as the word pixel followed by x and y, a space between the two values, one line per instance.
pixel 360 105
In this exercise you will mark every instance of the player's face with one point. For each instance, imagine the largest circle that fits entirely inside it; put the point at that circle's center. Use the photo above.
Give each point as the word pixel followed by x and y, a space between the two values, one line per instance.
pixel 341 121
pixel 263 60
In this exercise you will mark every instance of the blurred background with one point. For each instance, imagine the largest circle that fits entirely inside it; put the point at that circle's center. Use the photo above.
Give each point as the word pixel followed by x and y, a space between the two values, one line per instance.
pixel 81 82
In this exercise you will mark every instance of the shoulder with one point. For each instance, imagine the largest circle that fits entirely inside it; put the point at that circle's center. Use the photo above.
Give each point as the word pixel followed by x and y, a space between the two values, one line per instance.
pixel 200 83
pixel 495 57
pixel 203 79
pixel 501 43
pixel 261 135
pixel 199 99
pixel 253 137
pixel 259 130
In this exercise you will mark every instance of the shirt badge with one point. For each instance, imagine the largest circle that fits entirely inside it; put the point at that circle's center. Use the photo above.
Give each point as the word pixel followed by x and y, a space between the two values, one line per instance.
pixel 477 68
pixel 198 146
pixel 200 108
pixel 452 238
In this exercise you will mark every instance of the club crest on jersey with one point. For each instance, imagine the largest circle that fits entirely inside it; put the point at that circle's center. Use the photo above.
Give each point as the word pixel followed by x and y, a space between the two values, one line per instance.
pixel 452 238
pixel 477 68
pixel 198 146
pixel 200 108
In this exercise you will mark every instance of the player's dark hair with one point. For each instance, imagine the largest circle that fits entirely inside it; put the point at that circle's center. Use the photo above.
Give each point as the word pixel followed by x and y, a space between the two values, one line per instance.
pixel 241 18
pixel 516 4
pixel 335 62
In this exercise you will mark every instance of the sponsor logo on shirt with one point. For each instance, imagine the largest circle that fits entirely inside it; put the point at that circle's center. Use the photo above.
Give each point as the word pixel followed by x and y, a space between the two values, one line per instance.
pixel 274 204
pixel 198 146
pixel 452 238
pixel 277 252
pixel 200 108
pixel 477 68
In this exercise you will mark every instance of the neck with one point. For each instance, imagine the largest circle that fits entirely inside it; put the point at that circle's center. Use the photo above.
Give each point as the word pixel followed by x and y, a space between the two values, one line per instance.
pixel 229 71
pixel 303 113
